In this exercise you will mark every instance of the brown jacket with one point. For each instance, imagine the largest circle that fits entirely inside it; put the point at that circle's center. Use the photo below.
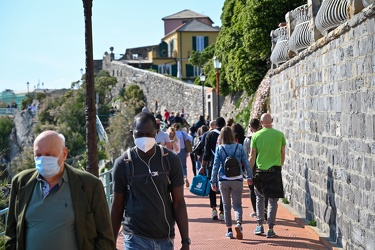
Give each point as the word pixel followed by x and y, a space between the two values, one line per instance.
pixel 92 220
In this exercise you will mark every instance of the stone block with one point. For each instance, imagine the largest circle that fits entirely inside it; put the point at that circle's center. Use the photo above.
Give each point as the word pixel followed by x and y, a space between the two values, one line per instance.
pixel 358 236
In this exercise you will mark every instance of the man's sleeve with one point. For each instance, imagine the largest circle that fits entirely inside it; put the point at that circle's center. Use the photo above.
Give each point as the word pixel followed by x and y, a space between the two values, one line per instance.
pixel 11 232
pixel 283 143
pixel 207 149
pixel 105 238
pixel 176 176
pixel 118 176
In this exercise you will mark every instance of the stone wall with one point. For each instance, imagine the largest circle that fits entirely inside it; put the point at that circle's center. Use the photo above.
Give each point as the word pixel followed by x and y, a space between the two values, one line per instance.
pixel 324 102
pixel 171 94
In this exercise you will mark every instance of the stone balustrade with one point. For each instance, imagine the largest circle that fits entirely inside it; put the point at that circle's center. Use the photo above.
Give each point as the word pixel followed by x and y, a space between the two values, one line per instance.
pixel 310 22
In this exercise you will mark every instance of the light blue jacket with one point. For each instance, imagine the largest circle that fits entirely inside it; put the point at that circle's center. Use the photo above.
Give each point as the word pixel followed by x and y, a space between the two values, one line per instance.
pixel 220 156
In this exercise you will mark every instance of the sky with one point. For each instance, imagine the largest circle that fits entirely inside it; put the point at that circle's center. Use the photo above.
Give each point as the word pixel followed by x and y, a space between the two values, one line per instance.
pixel 43 41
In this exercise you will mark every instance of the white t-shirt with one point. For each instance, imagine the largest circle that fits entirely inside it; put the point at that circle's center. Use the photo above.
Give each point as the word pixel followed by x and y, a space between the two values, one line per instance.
pixel 162 138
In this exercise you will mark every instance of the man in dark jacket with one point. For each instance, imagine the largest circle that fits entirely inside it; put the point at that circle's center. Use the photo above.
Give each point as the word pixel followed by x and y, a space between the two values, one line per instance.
pixel 55 206
pixel 211 142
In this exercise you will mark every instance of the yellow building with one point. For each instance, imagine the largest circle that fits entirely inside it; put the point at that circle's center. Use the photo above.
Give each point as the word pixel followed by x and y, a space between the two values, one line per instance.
pixel 183 32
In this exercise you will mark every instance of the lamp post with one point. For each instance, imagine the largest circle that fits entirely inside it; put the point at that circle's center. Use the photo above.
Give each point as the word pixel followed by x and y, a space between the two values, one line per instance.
pixel 217 66
pixel 28 87
pixel 203 79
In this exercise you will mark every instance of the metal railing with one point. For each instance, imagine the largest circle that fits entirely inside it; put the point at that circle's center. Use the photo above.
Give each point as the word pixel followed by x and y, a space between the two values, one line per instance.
pixel 306 25
pixel 300 37
pixel 7 111
pixel 280 40
pixel 331 14
pixel 3 217
pixel 106 179
pixel 107 183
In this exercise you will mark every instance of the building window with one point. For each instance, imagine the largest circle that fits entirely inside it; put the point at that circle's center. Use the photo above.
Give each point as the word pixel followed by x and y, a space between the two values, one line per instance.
pixel 135 56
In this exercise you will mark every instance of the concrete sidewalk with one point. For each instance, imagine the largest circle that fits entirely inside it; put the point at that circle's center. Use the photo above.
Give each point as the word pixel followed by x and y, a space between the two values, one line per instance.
pixel 291 233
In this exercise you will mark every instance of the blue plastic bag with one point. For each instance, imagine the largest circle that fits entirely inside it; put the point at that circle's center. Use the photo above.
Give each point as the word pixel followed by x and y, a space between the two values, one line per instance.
pixel 200 185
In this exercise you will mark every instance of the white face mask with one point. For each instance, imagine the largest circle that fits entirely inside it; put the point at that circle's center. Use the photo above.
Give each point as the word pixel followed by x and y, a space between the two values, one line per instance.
pixel 144 143
pixel 47 166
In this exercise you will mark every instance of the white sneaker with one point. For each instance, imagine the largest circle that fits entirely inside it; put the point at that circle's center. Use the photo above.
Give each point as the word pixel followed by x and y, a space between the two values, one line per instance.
pixel 221 216
pixel 229 235
pixel 239 234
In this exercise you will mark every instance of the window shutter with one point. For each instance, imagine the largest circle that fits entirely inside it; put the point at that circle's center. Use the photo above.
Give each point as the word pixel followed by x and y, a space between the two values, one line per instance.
pixel 174 70
pixel 189 70
pixel 194 43
pixel 205 41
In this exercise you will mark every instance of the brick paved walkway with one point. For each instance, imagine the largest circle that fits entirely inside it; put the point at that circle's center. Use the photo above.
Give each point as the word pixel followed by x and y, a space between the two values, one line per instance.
pixel 208 234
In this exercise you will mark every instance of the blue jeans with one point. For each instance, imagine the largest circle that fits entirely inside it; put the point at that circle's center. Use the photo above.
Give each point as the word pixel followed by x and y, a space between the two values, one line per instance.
pixel 182 156
pixel 135 242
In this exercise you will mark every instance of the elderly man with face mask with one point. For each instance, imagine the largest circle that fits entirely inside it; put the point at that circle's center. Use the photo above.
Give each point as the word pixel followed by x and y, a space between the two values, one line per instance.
pixel 148 186
pixel 55 206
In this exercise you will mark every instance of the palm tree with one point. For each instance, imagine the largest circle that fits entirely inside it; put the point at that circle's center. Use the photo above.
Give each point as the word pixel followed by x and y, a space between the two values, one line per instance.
pixel 91 140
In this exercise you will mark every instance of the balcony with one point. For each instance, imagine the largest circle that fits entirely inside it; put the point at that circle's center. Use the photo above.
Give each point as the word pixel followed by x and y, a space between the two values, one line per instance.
pixel 300 37
pixel 279 38
pixel 331 14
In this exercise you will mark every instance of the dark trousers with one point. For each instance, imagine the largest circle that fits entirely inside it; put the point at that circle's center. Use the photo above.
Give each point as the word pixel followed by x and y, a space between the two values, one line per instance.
pixel 212 194
pixel 192 158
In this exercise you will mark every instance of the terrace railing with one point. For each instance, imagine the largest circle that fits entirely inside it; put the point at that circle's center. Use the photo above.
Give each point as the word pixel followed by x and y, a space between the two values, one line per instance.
pixel 331 14
pixel 310 22
pixel 300 36
pixel 280 46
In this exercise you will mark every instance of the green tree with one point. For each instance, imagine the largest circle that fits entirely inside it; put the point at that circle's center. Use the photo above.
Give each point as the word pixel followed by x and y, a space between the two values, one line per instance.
pixel 6 126
pixel 103 85
pixel 24 160
pixel 244 45
pixel 120 136
pixel 26 101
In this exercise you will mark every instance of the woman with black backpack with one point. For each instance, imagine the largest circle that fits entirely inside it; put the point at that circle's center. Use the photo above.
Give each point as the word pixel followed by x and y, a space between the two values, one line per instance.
pixel 227 170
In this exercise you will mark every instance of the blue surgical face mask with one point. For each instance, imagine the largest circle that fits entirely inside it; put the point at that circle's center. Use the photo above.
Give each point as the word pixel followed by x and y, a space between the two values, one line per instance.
pixel 47 166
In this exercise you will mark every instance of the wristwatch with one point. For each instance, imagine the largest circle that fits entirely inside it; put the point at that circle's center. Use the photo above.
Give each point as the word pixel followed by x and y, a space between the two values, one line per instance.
pixel 187 241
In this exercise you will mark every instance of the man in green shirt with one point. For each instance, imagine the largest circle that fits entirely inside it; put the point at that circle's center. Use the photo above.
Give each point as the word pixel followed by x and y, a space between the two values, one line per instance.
pixel 268 153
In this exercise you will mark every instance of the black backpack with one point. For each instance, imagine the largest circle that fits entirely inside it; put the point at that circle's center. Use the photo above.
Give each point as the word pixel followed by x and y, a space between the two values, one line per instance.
pixel 129 170
pixel 197 147
pixel 232 166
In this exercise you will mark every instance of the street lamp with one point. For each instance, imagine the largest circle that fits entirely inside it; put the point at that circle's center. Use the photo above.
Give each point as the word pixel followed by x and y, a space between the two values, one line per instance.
pixel 217 66
pixel 203 79
pixel 28 87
